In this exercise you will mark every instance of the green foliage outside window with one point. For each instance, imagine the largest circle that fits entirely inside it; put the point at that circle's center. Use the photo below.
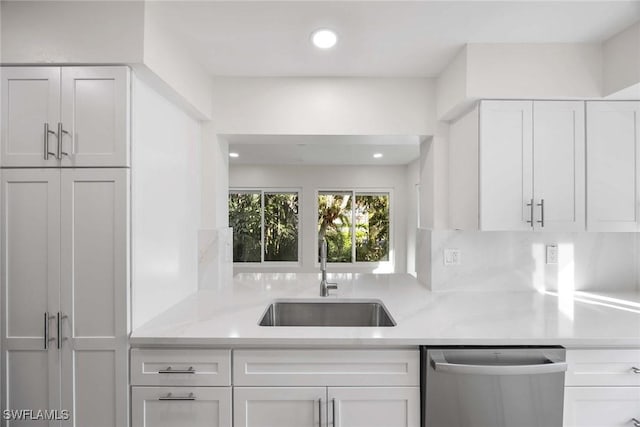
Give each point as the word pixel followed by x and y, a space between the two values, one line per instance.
pixel 280 226
pixel 336 212
pixel 245 219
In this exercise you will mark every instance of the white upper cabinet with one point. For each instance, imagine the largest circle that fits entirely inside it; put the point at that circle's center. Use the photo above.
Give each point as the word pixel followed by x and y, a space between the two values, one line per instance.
pixel 30 114
pixel 68 116
pixel 613 159
pixel 559 165
pixel 518 166
pixel 506 142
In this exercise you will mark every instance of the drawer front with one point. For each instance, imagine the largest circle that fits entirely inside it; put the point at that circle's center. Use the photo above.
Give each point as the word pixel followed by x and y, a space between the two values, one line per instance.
pixel 180 367
pixel 326 367
pixel 603 367
pixel 601 406
pixel 181 406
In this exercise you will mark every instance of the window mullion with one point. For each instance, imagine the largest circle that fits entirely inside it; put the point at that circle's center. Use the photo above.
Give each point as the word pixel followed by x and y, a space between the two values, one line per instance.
pixel 353 227
pixel 262 226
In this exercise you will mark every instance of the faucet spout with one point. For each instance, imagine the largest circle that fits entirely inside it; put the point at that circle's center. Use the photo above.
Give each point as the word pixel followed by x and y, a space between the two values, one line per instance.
pixel 325 286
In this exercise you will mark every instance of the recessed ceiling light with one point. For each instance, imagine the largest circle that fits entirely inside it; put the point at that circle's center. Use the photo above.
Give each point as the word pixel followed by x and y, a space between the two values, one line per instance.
pixel 234 155
pixel 377 155
pixel 324 38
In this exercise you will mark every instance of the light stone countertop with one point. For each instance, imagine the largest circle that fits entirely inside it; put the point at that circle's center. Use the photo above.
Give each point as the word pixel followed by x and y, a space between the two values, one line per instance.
pixel 229 317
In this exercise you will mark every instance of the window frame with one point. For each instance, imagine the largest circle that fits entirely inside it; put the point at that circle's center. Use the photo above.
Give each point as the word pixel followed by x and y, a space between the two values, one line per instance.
pixel 262 192
pixel 390 262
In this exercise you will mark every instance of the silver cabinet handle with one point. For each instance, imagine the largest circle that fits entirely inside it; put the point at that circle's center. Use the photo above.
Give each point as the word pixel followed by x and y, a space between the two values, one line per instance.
pixel 541 220
pixel 439 363
pixel 635 370
pixel 47 339
pixel 530 205
pixel 333 412
pixel 170 370
pixel 636 422
pixel 170 396
pixel 61 133
pixel 47 153
pixel 320 412
pixel 61 316
pixel 46 328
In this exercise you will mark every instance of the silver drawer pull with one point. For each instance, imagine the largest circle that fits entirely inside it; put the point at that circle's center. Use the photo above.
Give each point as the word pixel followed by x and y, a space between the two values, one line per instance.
pixel 635 370
pixel 170 370
pixel 170 396
pixel 636 422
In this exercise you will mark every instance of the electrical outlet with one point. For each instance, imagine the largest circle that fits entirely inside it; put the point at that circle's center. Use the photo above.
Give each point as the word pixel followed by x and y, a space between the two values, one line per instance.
pixel 452 257
pixel 552 254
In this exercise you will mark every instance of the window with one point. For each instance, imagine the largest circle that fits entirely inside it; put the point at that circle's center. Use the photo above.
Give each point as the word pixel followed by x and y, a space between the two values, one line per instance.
pixel 265 225
pixel 356 225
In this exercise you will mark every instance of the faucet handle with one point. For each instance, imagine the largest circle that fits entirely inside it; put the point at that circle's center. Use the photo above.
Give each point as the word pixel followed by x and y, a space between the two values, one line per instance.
pixel 332 286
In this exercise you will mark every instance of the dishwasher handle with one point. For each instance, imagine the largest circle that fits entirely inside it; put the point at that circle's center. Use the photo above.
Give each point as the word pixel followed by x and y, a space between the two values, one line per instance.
pixel 440 364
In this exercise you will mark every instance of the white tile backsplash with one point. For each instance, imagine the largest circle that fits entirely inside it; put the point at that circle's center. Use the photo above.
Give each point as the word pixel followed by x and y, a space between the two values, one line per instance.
pixel 511 261
pixel 215 262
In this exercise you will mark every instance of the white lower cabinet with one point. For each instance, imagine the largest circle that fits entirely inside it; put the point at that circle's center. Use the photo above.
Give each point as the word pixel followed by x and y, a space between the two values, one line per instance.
pixel 181 406
pixel 602 388
pixel 279 406
pixel 374 406
pixel 601 406
pixel 332 406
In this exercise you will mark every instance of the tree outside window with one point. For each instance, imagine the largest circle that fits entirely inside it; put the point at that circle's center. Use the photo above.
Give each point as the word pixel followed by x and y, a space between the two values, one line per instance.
pixel 265 225
pixel 355 225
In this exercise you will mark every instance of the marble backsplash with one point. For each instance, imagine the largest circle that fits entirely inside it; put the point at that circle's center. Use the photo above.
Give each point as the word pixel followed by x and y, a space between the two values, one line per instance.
pixel 511 261
pixel 215 258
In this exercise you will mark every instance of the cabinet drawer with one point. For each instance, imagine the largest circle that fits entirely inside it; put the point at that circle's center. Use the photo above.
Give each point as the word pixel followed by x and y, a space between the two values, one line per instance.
pixel 601 406
pixel 181 406
pixel 326 367
pixel 180 367
pixel 603 367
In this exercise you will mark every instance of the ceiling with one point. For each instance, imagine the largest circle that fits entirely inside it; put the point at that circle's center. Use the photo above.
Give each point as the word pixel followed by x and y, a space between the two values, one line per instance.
pixel 376 38
pixel 323 150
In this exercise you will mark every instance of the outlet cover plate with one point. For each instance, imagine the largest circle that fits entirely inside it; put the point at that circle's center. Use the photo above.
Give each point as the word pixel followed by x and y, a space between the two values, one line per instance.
pixel 452 257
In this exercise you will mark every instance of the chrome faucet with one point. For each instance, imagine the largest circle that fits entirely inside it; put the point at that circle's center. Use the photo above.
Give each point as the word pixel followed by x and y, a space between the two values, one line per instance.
pixel 324 285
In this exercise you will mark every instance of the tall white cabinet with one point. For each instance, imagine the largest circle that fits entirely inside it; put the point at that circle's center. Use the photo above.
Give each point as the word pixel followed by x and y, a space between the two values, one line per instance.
pixel 613 162
pixel 65 242
pixel 518 166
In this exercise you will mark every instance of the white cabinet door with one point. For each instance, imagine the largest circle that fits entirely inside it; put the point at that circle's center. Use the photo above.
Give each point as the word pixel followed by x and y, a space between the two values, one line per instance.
pixel 30 101
pixel 559 165
pixel 505 165
pixel 93 301
pixel 613 160
pixel 601 406
pixel 180 407
pixel 374 406
pixel 95 116
pixel 279 406
pixel 30 288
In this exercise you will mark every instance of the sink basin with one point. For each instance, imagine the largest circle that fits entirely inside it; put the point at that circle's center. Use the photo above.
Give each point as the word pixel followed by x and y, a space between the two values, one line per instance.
pixel 345 313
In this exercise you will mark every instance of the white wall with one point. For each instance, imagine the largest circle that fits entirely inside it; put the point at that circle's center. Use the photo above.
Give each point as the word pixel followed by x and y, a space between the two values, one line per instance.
pixel 413 211
pixel 621 60
pixel 310 179
pixel 71 32
pixel 324 106
pixel 517 71
pixel 515 261
pixel 215 179
pixel 169 61
pixel 165 203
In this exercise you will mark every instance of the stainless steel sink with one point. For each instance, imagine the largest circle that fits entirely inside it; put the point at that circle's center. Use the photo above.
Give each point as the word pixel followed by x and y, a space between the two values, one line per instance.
pixel 367 313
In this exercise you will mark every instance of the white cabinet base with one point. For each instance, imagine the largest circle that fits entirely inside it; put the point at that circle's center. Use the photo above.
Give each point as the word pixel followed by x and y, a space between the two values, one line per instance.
pixel 601 406
pixel 209 407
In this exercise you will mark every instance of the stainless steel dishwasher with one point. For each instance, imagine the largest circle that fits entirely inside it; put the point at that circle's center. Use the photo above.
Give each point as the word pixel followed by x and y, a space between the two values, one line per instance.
pixel 492 387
